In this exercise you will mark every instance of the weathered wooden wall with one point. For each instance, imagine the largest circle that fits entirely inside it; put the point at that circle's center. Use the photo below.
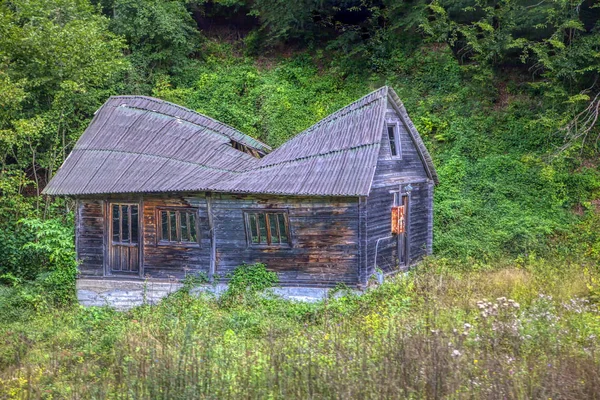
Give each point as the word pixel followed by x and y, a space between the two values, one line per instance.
pixel 172 260
pixel 324 233
pixel 390 174
pixel 89 232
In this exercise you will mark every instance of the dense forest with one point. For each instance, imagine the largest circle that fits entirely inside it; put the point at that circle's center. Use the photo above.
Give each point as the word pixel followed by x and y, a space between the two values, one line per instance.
pixel 505 93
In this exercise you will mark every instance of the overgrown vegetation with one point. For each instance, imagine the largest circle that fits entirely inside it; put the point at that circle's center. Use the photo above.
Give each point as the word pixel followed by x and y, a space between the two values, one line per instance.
pixel 505 95
pixel 528 329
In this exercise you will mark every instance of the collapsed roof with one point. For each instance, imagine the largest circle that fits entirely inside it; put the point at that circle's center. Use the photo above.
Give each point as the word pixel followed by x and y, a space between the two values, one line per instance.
pixel 138 144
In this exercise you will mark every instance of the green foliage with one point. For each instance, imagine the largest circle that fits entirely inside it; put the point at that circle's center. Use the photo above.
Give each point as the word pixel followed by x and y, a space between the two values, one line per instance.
pixel 58 63
pixel 192 280
pixel 161 35
pixel 55 246
pixel 271 105
pixel 441 325
pixel 488 84
pixel 39 266
pixel 246 282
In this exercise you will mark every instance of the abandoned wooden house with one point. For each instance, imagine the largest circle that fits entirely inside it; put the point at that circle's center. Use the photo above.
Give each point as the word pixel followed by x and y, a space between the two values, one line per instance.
pixel 163 192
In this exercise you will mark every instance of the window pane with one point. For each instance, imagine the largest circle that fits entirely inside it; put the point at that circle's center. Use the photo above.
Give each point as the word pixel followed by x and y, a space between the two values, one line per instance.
pixel 273 226
pixel 173 221
pixel 392 138
pixel 253 230
pixel 134 224
pixel 183 223
pixel 164 222
pixel 125 223
pixel 283 228
pixel 193 227
pixel 116 223
pixel 262 228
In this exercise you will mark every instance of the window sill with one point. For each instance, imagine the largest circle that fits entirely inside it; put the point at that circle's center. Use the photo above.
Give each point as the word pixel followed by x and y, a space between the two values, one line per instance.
pixel 124 244
pixel 270 246
pixel 178 244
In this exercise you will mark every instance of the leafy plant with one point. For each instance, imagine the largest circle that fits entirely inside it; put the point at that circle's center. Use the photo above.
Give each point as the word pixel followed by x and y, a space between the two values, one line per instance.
pixel 54 243
pixel 247 281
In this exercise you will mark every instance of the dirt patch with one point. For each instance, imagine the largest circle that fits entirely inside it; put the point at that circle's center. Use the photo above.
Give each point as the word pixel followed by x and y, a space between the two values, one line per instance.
pixel 503 96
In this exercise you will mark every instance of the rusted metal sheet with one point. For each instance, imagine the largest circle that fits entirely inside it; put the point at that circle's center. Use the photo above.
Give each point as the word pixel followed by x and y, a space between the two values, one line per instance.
pixel 398 220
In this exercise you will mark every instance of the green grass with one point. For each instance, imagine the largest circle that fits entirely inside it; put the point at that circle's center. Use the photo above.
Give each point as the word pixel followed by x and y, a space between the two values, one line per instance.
pixel 442 331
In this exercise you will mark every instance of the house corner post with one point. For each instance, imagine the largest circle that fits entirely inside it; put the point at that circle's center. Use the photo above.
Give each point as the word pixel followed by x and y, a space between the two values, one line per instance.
pixel 213 238
pixel 430 189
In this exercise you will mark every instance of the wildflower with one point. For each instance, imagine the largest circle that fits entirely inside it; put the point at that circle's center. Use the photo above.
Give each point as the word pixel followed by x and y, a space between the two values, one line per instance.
pixel 456 353
pixel 467 326
pixel 475 361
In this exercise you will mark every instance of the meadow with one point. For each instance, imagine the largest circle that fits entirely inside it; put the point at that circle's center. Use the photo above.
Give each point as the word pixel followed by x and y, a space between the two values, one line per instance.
pixel 525 329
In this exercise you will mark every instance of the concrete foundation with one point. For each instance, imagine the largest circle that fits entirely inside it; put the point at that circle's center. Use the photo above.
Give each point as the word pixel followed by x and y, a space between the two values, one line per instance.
pixel 126 294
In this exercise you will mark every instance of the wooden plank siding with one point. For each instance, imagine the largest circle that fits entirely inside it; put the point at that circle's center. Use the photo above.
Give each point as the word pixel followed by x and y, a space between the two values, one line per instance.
pixel 171 260
pixel 324 234
pixel 390 174
pixel 89 234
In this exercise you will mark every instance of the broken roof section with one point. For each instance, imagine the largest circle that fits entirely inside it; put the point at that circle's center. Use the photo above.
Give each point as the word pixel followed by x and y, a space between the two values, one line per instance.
pixel 140 144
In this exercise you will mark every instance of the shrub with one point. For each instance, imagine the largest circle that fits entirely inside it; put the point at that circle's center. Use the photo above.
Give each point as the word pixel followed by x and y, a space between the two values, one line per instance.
pixel 247 281
pixel 55 247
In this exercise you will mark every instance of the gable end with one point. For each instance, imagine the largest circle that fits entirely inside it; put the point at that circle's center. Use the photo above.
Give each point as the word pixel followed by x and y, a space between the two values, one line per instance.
pixel 414 134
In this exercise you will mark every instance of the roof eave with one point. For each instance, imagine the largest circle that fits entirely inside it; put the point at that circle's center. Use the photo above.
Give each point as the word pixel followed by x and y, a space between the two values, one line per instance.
pixel 416 137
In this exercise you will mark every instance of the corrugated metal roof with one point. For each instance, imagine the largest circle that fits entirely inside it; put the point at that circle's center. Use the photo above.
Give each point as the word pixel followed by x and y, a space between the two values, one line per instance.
pixel 140 144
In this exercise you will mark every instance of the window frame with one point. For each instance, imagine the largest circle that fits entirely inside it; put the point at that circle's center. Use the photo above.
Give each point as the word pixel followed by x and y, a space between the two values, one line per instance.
pixel 120 242
pixel 269 243
pixel 160 241
pixel 395 126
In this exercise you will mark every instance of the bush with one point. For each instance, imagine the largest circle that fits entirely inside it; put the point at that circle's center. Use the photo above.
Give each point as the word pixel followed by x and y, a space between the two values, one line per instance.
pixel 246 282
pixel 54 245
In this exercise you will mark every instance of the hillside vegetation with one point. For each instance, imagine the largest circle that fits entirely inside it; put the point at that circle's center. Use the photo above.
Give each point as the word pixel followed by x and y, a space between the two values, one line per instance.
pixel 505 96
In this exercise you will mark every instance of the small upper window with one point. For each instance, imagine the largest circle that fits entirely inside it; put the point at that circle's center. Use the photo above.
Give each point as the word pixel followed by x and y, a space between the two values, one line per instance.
pixel 178 226
pixel 267 228
pixel 394 140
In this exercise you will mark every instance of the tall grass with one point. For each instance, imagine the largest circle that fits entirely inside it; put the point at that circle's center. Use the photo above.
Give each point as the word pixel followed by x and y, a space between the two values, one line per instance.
pixel 518 331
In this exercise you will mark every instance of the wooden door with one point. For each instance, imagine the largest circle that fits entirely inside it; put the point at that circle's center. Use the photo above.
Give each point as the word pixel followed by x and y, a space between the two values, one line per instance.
pixel 124 250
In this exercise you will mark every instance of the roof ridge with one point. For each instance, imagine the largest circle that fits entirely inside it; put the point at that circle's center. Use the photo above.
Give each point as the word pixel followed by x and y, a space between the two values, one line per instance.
pixel 201 128
pixel 264 146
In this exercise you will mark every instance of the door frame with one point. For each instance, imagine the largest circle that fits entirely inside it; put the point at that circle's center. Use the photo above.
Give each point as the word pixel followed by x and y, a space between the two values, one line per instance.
pixel 108 272
pixel 404 200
